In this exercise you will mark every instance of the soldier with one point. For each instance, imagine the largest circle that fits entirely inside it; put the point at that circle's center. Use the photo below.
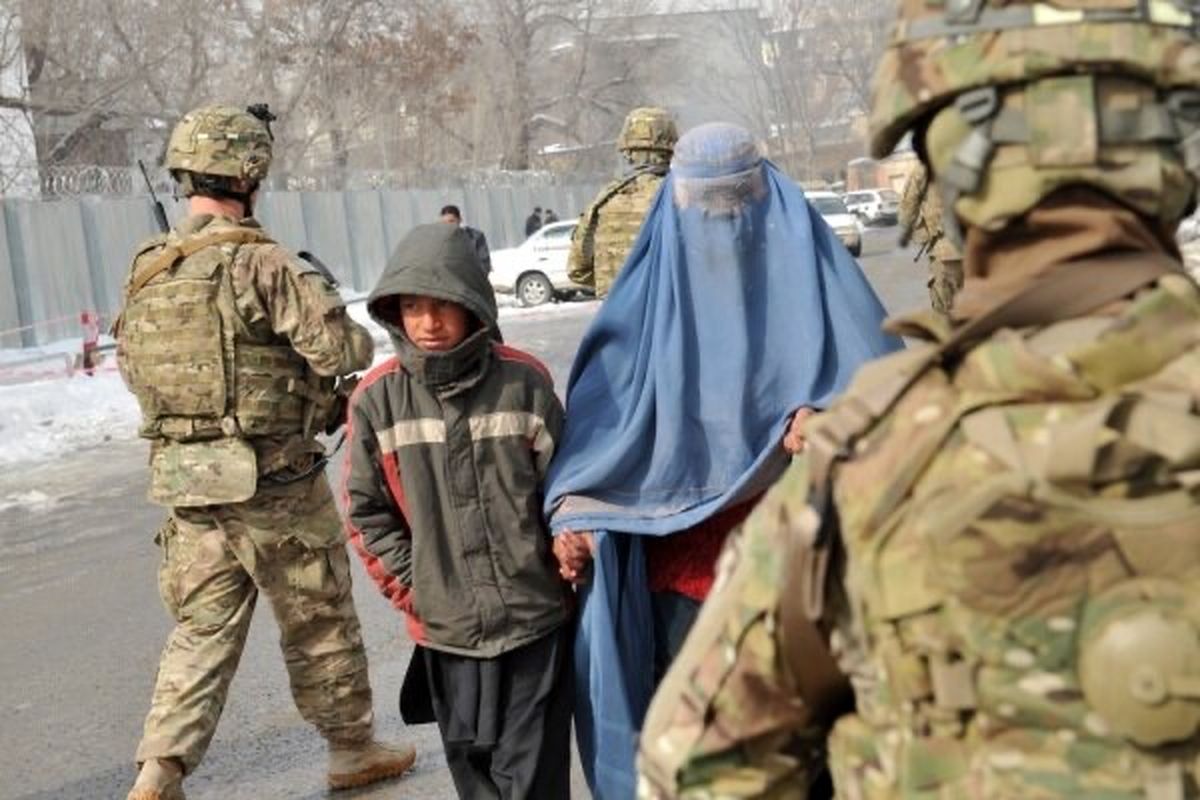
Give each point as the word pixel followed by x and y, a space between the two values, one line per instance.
pixel 921 220
pixel 232 345
pixel 997 533
pixel 608 227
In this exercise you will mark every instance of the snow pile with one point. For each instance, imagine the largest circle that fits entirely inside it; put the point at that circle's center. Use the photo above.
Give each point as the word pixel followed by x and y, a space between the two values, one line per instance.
pixel 48 419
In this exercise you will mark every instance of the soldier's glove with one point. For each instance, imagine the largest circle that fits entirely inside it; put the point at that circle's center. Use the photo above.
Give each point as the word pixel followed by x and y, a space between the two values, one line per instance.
pixel 341 403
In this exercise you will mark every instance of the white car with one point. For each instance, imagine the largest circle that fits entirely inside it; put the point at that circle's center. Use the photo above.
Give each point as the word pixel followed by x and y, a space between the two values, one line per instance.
pixel 838 217
pixel 874 206
pixel 536 269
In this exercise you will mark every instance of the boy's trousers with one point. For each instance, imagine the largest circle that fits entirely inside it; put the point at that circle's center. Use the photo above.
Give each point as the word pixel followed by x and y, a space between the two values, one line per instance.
pixel 506 721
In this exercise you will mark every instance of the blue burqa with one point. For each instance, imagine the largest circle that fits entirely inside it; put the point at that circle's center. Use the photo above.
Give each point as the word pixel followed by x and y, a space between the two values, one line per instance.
pixel 736 306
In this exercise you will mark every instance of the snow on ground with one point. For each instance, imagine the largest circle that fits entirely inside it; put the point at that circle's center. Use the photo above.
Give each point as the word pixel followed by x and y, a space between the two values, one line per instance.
pixel 50 418
pixel 49 410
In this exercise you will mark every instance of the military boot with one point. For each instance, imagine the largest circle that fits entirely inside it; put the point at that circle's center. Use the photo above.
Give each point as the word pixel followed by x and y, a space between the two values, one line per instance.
pixel 158 779
pixel 352 765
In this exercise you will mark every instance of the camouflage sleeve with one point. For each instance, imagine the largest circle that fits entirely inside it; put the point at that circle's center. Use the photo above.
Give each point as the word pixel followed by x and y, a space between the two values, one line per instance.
pixel 580 261
pixel 301 305
pixel 909 211
pixel 737 715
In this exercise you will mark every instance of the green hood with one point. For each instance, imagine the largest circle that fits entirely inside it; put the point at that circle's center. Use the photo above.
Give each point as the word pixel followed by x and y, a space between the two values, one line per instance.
pixel 437 260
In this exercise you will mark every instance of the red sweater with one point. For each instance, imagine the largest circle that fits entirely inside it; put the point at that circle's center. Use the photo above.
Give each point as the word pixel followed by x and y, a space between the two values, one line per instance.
pixel 686 562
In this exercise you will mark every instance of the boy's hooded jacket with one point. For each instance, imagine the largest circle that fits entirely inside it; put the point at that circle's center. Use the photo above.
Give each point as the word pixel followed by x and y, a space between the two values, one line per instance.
pixel 446 458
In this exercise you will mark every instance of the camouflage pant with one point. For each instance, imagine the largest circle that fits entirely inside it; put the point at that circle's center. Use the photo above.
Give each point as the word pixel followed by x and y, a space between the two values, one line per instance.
pixel 286 543
pixel 945 279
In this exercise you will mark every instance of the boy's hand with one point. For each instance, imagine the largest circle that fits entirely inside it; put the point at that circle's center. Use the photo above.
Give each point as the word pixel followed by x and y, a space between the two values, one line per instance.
pixel 574 553
pixel 793 439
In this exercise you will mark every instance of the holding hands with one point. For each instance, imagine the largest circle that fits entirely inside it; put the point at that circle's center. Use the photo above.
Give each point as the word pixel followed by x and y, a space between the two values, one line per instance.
pixel 574 553
pixel 793 439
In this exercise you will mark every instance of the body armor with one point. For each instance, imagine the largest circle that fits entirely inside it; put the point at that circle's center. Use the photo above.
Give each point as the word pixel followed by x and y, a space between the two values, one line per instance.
pixel 1019 616
pixel 201 374
pixel 609 227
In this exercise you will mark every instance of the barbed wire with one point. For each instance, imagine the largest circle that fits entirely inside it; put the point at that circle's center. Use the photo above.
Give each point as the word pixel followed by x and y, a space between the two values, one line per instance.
pixel 77 180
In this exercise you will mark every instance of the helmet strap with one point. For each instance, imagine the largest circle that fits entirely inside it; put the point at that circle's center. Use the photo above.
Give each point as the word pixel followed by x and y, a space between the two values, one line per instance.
pixel 217 186
pixel 964 174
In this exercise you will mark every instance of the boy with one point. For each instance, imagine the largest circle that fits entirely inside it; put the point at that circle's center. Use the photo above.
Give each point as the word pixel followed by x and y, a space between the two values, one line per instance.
pixel 449 442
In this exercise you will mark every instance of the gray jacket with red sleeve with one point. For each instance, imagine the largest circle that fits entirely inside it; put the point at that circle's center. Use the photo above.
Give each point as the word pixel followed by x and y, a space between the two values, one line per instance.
pixel 447 452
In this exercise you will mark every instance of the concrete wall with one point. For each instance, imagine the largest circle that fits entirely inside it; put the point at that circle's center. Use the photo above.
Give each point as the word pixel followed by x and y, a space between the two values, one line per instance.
pixel 63 257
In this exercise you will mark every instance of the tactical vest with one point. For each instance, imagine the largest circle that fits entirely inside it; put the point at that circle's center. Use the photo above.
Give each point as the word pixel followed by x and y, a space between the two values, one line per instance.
pixel 614 222
pixel 1018 542
pixel 197 369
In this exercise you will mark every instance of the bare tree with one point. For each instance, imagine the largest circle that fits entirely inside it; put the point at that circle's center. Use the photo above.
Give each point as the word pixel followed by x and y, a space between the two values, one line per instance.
pixel 814 61
pixel 96 88
pixel 555 70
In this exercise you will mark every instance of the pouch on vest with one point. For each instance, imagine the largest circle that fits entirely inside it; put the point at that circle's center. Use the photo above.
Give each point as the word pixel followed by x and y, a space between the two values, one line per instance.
pixel 173 342
pixel 203 473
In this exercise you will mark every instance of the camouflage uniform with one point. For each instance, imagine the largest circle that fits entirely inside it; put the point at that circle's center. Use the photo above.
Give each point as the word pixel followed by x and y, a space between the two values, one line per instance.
pixel 921 220
pixel 230 344
pixel 609 226
pixel 994 533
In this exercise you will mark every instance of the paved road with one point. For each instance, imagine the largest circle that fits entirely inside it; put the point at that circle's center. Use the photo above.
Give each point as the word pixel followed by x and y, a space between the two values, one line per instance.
pixel 82 624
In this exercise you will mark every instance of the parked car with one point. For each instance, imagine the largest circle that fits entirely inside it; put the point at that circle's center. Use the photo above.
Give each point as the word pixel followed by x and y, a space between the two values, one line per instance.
pixel 838 217
pixel 536 269
pixel 873 206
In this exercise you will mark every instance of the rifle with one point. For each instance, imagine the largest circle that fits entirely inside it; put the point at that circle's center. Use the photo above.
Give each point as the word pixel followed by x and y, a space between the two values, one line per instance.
pixel 160 213
pixel 320 267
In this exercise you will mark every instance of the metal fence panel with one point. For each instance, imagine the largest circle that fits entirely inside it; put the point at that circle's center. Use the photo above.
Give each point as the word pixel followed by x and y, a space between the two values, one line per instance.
pixel 282 215
pixel 10 314
pixel 62 257
pixel 58 283
pixel 114 228
pixel 368 239
pixel 400 216
pixel 328 235
pixel 429 202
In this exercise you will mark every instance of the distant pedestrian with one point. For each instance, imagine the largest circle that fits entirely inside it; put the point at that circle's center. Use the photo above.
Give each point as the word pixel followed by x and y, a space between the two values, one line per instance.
pixel 452 216
pixel 449 444
pixel 549 216
pixel 533 223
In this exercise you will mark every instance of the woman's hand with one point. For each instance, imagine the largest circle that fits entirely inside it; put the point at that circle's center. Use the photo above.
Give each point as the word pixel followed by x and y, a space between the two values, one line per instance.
pixel 793 439
pixel 574 553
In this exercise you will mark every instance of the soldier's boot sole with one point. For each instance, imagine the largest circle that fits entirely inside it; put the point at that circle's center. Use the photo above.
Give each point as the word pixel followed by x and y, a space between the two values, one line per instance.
pixel 372 774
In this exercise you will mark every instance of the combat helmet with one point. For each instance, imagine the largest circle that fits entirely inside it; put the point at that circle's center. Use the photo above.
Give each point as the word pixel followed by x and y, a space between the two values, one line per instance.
pixel 648 129
pixel 1013 100
pixel 218 147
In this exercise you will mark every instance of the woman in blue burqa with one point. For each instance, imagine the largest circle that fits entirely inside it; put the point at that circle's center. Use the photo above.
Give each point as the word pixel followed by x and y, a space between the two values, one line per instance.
pixel 736 313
